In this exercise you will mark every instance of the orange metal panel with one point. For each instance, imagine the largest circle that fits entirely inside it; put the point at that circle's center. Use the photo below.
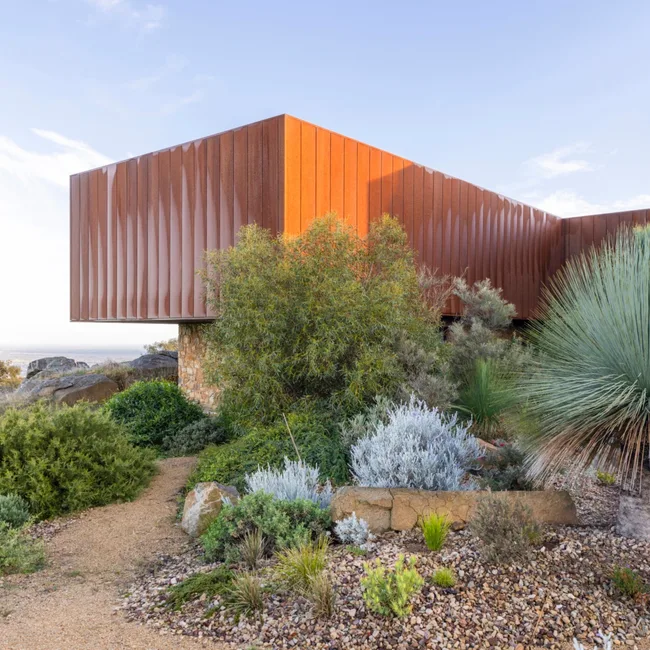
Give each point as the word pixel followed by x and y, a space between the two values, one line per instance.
pixel 407 215
pixel 153 237
pixel 131 237
pixel 471 233
pixel 386 183
pixel 164 234
pixel 241 179
pixel 197 309
pixel 176 234
pixel 398 188
pixel 93 239
pixel 102 204
pixel 427 219
pixel 337 174
pixel 350 182
pixel 463 242
pixel 418 211
pixel 363 189
pixel 75 248
pixel 270 175
pixel 142 237
pixel 84 246
pixel 446 226
pixel 226 190
pixel 121 184
pixel 307 175
pixel 292 164
pixel 323 172
pixel 255 179
pixel 438 219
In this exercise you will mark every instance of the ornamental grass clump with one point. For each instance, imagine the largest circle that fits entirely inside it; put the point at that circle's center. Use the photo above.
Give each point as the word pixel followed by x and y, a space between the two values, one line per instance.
pixel 590 391
pixel 244 595
pixel 296 567
pixel 435 529
pixel 296 481
pixel 418 447
pixel 390 592
pixel 444 577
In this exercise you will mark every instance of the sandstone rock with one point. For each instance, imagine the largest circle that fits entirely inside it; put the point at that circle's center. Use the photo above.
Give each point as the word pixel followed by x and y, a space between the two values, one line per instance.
pixel 372 504
pixel 53 364
pixel 68 389
pixel 402 509
pixel 149 366
pixel 634 516
pixel 487 446
pixel 203 504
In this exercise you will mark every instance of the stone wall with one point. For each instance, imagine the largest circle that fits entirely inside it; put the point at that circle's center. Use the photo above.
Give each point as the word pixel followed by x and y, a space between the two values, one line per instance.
pixel 401 509
pixel 191 352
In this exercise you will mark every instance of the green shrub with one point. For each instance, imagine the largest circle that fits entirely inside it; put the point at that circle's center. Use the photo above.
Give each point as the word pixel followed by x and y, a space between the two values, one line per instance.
pixel 435 529
pixel 297 566
pixel 444 578
pixel 61 459
pixel 319 446
pixel 284 524
pixel 198 435
pixel 161 346
pixel 605 478
pixel 18 552
pixel 9 374
pixel 628 582
pixel 152 411
pixel 390 592
pixel 506 529
pixel 14 511
pixel 210 584
pixel 317 316
pixel 590 390
pixel 505 469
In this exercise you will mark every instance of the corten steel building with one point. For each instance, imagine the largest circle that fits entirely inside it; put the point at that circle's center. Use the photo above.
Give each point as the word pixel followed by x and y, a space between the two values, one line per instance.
pixel 139 228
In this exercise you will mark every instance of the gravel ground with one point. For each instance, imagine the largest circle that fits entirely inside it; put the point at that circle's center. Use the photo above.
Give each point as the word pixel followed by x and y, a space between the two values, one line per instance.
pixel 564 591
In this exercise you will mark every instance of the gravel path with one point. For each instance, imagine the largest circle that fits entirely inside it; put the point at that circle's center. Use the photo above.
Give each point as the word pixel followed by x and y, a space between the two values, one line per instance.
pixel 72 604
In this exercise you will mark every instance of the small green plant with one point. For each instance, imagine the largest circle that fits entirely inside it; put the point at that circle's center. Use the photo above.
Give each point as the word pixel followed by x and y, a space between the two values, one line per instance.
pixel 444 577
pixel 298 566
pixel 321 594
pixel 196 436
pixel 152 411
pixel 356 550
pixel 18 552
pixel 605 478
pixel 14 511
pixel 504 469
pixel 213 583
pixel 244 596
pixel 391 592
pixel 435 529
pixel 251 548
pixel 506 529
pixel 284 524
pixel 628 582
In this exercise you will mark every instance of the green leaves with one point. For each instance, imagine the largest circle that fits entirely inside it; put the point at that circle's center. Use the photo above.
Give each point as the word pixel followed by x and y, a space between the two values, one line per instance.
pixel 591 388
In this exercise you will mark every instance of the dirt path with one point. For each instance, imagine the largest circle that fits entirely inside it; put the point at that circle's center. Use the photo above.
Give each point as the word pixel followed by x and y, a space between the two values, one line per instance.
pixel 71 604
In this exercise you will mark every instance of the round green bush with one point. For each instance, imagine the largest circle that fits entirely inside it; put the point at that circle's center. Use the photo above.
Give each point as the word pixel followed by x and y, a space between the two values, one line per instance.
pixel 283 524
pixel 196 436
pixel 62 459
pixel 152 411
pixel 268 446
pixel 14 510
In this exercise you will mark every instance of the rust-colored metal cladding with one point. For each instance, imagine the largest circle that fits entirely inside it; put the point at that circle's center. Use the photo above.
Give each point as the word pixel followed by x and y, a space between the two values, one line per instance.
pixel 139 228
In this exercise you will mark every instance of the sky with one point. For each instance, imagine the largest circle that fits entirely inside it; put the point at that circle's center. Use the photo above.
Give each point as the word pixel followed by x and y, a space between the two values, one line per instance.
pixel 545 101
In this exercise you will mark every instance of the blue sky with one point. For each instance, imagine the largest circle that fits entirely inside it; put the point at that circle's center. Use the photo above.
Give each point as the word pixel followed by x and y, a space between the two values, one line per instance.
pixel 548 102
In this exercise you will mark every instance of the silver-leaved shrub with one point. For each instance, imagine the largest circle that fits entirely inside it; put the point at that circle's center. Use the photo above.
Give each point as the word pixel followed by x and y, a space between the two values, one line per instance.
pixel 417 447
pixel 352 530
pixel 296 481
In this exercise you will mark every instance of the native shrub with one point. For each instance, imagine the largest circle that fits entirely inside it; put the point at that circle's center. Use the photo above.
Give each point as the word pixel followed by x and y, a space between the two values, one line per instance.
pixel 418 448
pixel 197 435
pixel 170 345
pixel 206 585
pixel 19 553
pixel 152 411
pixel 9 374
pixel 505 469
pixel 352 530
pixel 316 316
pixel 319 446
pixel 296 481
pixel 506 529
pixel 628 582
pixel 390 592
pixel 62 459
pixel 590 389
pixel 14 511
pixel 283 524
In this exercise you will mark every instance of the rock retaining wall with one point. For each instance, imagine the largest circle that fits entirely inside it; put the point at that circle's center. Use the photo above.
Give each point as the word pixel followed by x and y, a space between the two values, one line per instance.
pixel 400 509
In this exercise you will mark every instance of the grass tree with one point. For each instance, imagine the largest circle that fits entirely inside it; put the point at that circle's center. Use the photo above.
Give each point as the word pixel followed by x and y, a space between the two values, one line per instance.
pixel 591 389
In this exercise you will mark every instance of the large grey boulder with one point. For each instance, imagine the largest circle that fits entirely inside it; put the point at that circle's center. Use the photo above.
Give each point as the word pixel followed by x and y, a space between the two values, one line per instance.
pixel 53 365
pixel 203 504
pixel 156 366
pixel 68 389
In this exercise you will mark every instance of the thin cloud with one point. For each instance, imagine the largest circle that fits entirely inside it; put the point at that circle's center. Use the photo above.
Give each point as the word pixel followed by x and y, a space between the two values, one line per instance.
pixel 173 64
pixel 146 18
pixel 184 100
pixel 560 162
pixel 567 203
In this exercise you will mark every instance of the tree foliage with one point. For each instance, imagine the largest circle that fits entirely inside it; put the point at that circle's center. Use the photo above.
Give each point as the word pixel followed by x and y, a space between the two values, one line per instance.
pixel 9 374
pixel 316 317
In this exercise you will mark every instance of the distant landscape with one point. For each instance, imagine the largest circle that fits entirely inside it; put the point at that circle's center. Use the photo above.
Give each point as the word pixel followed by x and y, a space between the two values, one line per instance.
pixel 21 357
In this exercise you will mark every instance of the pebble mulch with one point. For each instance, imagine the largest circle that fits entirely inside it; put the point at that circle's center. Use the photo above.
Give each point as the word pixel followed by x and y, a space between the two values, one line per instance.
pixel 565 591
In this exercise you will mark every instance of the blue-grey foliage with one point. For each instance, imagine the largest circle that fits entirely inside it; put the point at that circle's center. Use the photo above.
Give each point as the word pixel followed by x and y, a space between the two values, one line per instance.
pixel 296 481
pixel 352 530
pixel 417 447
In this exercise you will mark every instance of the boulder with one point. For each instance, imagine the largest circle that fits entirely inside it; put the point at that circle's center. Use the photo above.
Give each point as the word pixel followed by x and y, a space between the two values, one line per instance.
pixel 203 504
pixel 156 366
pixel 68 389
pixel 53 365
pixel 372 504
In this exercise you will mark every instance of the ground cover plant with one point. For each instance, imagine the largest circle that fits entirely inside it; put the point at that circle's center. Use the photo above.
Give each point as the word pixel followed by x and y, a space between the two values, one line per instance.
pixel 14 511
pixel 19 553
pixel 153 411
pixel 435 529
pixel 65 458
pixel 197 435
